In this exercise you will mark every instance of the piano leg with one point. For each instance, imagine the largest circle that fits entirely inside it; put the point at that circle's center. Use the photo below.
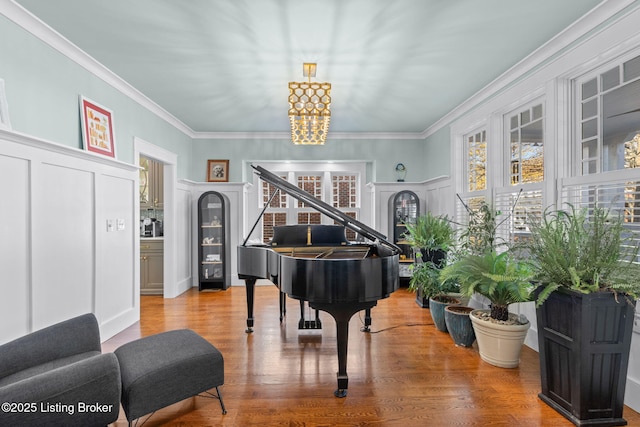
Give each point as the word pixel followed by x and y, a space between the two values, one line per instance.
pixel 342 313
pixel 367 321
pixel 283 305
pixel 250 285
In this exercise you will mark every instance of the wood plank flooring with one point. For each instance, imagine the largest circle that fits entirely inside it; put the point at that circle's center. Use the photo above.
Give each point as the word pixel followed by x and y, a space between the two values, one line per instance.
pixel 403 373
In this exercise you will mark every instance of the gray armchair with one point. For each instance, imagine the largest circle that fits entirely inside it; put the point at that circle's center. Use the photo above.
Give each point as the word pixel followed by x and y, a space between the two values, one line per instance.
pixel 58 376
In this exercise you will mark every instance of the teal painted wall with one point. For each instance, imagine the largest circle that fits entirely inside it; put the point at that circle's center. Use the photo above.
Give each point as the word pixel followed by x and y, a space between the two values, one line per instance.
pixel 437 155
pixel 382 154
pixel 43 87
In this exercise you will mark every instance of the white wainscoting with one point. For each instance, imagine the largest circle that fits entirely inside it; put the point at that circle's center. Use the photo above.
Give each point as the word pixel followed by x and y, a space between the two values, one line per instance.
pixel 59 259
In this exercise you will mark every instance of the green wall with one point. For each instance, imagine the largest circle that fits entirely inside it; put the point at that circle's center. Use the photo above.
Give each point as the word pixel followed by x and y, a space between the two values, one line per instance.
pixel 382 154
pixel 43 86
pixel 437 155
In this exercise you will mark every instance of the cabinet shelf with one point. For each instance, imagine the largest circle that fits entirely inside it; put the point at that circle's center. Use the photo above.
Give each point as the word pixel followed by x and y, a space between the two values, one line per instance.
pixel 404 208
pixel 214 254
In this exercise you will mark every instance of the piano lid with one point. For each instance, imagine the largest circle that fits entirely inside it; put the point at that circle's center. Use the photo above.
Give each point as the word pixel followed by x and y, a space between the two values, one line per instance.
pixel 324 208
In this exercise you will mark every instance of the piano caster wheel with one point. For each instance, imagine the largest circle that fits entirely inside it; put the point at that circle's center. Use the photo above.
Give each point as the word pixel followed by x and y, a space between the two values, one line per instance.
pixel 341 392
pixel 365 329
pixel 248 330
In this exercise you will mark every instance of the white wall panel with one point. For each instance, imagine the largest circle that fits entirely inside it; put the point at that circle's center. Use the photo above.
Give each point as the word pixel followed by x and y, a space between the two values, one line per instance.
pixel 63 249
pixel 58 259
pixel 15 278
pixel 115 256
pixel 183 236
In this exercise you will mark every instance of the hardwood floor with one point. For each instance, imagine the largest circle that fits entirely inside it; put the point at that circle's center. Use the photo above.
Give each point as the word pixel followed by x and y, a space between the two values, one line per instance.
pixel 403 373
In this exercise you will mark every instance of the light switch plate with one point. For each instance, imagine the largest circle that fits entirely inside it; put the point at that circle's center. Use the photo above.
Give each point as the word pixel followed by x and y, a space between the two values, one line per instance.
pixel 120 224
pixel 110 225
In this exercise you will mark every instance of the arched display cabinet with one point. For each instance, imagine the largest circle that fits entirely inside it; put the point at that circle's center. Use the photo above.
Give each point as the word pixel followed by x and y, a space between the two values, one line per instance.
pixel 404 207
pixel 214 256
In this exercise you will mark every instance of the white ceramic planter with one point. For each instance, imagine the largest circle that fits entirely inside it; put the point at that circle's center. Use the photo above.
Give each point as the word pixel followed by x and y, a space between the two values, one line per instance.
pixel 499 344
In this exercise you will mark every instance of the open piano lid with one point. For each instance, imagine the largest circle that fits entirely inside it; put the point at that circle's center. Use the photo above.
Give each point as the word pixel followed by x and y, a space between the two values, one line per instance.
pixel 324 208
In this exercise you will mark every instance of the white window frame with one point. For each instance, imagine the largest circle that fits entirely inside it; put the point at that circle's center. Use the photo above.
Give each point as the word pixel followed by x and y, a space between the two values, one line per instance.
pixel 326 169
pixel 576 118
pixel 506 140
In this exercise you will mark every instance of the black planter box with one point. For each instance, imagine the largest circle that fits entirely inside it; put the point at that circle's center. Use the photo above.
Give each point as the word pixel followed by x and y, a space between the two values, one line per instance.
pixel 421 300
pixel 584 342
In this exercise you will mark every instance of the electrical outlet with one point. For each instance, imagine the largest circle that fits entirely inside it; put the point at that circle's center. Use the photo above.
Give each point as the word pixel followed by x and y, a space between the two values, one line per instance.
pixel 120 224
pixel 109 225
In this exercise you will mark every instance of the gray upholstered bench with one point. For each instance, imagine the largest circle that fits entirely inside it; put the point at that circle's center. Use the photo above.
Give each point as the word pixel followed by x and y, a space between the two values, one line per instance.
pixel 163 369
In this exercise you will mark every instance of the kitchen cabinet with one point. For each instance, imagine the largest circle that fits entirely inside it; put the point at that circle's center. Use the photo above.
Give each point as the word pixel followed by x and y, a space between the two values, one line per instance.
pixel 151 266
pixel 151 184
pixel 214 252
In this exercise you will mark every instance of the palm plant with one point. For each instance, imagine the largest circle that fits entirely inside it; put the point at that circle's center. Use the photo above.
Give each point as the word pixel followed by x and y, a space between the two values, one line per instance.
pixel 500 278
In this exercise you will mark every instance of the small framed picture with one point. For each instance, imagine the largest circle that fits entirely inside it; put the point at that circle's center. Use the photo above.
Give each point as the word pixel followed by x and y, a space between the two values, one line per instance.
pixel 4 108
pixel 217 170
pixel 97 128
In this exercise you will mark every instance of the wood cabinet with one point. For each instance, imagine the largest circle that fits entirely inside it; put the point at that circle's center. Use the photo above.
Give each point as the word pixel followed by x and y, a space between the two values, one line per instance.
pixel 151 266
pixel 214 256
pixel 151 184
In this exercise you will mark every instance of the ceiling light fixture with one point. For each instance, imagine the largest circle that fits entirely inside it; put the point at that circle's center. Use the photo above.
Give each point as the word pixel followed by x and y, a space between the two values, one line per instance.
pixel 309 109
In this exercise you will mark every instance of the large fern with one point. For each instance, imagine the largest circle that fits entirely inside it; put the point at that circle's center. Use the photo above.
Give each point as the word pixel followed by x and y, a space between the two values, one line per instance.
pixel 585 250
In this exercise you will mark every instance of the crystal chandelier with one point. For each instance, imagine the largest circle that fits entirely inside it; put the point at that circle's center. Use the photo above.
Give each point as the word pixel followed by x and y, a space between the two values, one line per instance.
pixel 309 109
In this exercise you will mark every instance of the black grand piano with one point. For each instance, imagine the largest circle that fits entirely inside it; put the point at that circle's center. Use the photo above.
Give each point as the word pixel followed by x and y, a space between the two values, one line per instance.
pixel 316 263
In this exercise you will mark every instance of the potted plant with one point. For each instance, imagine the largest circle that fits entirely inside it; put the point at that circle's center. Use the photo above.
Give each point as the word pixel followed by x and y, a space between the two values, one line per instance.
pixel 458 322
pixel 430 233
pixel 432 237
pixel 503 280
pixel 426 282
pixel 588 284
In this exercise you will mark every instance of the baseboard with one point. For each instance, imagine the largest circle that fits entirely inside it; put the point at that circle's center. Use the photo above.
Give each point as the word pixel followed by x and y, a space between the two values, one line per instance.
pixel 119 323
pixel 184 285
pixel 632 394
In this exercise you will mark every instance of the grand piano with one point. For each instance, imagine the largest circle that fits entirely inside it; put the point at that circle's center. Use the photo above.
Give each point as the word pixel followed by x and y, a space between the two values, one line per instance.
pixel 316 263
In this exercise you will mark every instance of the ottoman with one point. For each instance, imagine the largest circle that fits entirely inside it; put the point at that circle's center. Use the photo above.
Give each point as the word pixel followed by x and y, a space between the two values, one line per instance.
pixel 165 368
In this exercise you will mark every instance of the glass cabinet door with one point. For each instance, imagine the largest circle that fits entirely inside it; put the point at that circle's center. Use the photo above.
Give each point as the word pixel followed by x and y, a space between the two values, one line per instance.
pixel 404 207
pixel 213 245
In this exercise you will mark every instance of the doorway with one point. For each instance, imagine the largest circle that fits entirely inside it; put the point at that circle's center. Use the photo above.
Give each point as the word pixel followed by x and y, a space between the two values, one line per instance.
pixel 168 160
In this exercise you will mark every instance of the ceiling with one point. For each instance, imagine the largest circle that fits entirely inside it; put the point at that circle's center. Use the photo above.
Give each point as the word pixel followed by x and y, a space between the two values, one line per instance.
pixel 224 65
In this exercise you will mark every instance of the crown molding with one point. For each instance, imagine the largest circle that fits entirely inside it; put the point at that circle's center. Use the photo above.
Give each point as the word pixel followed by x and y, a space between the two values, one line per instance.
pixel 604 11
pixel 567 38
pixel 330 136
pixel 39 29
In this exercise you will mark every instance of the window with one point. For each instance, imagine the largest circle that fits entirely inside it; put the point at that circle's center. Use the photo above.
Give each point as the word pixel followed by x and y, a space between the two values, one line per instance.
pixel 344 195
pixel 339 188
pixel 476 148
pixel 526 146
pixel 277 213
pixel 609 119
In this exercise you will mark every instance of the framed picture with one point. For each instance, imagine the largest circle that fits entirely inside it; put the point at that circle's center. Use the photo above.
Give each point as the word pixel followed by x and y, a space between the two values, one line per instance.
pixel 97 128
pixel 217 170
pixel 4 108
